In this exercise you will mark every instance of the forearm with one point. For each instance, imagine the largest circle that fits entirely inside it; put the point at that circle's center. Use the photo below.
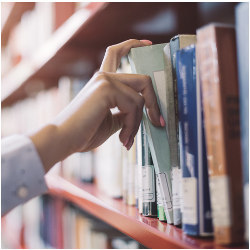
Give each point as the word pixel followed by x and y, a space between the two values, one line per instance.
pixel 51 144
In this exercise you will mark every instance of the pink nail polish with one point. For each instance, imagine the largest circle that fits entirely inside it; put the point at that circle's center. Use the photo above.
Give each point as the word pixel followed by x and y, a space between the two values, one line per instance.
pixel 130 144
pixel 126 142
pixel 162 122
pixel 147 42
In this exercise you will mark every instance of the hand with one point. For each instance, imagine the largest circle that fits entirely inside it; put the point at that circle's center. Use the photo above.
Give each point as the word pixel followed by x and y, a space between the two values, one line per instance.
pixel 87 121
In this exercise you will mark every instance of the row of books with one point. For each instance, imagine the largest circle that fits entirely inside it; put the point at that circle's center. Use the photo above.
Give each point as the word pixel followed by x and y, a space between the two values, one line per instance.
pixel 56 223
pixel 64 225
pixel 33 112
pixel 34 30
pixel 197 157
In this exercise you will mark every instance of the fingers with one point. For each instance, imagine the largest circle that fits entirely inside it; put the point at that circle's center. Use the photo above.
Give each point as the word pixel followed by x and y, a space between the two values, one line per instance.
pixel 142 84
pixel 114 53
pixel 130 104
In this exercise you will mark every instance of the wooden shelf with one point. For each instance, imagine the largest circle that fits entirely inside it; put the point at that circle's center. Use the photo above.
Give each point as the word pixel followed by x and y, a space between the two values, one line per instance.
pixel 14 16
pixel 52 60
pixel 77 47
pixel 150 232
pixel 80 43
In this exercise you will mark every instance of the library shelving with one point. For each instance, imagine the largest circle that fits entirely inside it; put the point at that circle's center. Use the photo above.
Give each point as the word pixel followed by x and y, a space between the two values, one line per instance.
pixel 80 42
pixel 13 16
pixel 86 34
pixel 150 232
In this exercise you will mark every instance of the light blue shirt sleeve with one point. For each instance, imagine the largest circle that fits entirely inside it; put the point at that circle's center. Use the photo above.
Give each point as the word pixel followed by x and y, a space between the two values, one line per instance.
pixel 22 172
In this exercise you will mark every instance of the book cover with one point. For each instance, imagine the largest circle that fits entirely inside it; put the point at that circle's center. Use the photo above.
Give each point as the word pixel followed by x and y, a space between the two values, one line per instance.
pixel 172 134
pixel 242 39
pixel 216 51
pixel 149 61
pixel 178 42
pixel 196 217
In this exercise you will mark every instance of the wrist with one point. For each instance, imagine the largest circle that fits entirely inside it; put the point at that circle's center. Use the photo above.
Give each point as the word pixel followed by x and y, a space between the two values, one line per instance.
pixel 51 145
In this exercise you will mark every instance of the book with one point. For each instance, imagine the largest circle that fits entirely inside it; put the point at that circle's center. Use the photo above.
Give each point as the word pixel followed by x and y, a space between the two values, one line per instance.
pixel 149 61
pixel 160 209
pixel 242 39
pixel 172 134
pixel 149 200
pixel 131 175
pixel 177 42
pixel 196 217
pixel 139 162
pixel 109 178
pixel 216 51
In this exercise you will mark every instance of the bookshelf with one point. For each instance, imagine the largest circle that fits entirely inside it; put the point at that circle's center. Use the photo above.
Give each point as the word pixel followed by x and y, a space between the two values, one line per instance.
pixel 81 41
pixel 13 16
pixel 77 42
pixel 150 232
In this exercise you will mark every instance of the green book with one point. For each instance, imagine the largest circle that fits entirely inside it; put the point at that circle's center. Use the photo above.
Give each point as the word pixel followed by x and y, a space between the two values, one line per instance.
pixel 149 61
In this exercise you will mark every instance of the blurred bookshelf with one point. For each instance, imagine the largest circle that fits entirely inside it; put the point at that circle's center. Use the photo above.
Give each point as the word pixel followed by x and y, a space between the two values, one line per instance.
pixel 81 41
pixel 71 52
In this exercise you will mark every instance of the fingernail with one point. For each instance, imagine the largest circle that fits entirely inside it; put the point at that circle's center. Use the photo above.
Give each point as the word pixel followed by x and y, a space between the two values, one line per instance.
pixel 147 42
pixel 162 122
pixel 130 144
pixel 126 142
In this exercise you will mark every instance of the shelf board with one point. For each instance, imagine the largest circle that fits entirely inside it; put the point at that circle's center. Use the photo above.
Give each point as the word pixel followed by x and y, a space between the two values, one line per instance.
pixel 81 41
pixel 47 64
pixel 150 232
pixel 13 18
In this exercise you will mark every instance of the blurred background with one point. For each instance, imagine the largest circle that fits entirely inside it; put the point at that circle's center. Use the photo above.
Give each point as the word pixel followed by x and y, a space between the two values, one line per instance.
pixel 49 52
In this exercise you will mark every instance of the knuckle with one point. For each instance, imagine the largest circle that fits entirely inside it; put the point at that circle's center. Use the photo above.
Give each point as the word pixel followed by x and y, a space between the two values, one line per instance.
pixel 132 40
pixel 106 85
pixel 147 79
pixel 110 49
pixel 101 75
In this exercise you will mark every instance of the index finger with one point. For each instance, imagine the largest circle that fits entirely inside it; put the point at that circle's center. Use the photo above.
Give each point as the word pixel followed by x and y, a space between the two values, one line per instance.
pixel 114 53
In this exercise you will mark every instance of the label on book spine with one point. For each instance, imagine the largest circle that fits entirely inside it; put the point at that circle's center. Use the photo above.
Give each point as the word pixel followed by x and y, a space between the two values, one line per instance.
pixel 190 213
pixel 176 179
pixel 148 183
pixel 166 196
pixel 219 188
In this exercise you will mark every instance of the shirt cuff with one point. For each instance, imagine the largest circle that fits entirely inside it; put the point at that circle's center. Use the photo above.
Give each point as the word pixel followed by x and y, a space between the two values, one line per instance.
pixel 22 172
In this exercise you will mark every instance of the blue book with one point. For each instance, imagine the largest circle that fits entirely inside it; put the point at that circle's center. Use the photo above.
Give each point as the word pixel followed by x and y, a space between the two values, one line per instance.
pixel 196 218
pixel 242 39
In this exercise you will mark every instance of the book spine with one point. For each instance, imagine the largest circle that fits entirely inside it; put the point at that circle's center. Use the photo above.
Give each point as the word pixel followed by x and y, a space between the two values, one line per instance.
pixel 205 211
pixel 160 209
pixel 131 168
pixel 149 203
pixel 140 154
pixel 187 112
pixel 242 32
pixel 176 43
pixel 217 60
pixel 196 209
pixel 172 135
pixel 174 47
